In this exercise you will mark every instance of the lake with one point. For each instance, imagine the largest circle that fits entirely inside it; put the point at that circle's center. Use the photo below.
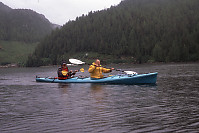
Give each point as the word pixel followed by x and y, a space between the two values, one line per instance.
pixel 30 107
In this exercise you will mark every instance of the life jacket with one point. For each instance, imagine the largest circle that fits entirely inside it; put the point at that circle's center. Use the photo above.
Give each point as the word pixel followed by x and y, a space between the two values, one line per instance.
pixel 96 71
pixel 63 73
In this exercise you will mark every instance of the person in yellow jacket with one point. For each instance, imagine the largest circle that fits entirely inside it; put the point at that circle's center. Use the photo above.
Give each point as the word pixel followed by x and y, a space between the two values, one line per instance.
pixel 96 70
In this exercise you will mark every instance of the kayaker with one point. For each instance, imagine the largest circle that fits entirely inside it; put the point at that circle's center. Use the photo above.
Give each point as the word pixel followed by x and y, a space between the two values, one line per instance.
pixel 96 70
pixel 63 72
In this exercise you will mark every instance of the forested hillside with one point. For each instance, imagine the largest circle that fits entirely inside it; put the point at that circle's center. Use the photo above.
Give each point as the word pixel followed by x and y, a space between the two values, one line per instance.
pixel 145 30
pixel 22 25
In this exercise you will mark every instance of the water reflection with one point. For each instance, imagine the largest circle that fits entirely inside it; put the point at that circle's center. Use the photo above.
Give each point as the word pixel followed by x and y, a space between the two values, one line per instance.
pixel 171 106
pixel 97 93
pixel 96 88
pixel 63 87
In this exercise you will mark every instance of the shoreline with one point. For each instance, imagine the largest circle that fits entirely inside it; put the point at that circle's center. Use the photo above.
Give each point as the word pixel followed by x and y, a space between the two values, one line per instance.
pixel 9 65
pixel 14 65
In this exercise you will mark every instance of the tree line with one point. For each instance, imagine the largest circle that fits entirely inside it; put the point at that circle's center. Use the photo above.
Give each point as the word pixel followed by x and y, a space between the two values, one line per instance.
pixel 146 30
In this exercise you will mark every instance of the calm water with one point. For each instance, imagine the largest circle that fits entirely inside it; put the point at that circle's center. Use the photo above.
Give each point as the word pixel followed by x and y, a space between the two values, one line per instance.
pixel 30 107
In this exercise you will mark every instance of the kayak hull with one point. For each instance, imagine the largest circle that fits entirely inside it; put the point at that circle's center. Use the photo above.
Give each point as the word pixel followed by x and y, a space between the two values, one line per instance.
pixel 149 78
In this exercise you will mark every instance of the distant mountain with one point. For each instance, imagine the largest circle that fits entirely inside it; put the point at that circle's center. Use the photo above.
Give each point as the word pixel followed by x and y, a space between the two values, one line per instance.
pixel 23 25
pixel 4 8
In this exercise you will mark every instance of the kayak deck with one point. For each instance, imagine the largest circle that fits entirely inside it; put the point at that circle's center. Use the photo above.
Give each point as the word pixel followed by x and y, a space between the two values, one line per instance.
pixel 149 78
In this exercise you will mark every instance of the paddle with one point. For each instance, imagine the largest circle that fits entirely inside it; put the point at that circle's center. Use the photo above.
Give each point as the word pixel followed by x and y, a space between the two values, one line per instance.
pixel 65 72
pixel 76 61
pixel 79 62
pixel 81 70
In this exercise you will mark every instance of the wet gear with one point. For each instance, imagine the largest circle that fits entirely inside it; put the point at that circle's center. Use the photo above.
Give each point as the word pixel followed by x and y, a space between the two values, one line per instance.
pixel 63 73
pixel 96 71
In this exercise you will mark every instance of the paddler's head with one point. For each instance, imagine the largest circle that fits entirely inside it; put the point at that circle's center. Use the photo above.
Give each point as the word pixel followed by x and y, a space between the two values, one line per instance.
pixel 97 62
pixel 63 65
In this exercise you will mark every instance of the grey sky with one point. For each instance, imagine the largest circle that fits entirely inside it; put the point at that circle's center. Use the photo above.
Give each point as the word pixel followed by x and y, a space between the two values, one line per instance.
pixel 61 11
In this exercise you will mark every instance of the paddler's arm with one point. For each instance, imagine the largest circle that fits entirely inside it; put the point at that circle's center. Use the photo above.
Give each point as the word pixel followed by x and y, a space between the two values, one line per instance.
pixel 91 68
pixel 105 70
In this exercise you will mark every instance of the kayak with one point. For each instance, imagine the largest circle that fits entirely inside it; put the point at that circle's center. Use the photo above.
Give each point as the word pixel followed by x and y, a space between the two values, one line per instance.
pixel 149 78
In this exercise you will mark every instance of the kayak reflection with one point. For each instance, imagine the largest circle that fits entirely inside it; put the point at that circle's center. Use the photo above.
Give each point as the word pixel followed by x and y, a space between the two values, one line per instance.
pixel 64 87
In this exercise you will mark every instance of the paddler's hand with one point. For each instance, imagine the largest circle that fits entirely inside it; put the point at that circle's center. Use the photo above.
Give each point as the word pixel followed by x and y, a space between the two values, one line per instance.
pixel 111 69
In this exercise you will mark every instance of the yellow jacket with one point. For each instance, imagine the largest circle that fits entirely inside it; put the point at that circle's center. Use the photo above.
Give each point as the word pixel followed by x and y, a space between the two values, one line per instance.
pixel 96 71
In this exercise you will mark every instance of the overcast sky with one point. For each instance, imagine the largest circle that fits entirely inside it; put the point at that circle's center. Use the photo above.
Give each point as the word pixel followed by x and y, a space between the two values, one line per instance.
pixel 61 11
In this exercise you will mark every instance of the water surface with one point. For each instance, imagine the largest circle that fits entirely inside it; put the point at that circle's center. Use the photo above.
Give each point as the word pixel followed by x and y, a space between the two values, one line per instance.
pixel 170 106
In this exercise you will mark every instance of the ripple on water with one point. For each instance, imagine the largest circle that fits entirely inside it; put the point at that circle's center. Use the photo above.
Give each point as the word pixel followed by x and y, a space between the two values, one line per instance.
pixel 171 106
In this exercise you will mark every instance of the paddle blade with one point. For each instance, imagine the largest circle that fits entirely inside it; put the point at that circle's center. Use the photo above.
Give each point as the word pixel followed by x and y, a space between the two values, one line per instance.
pixel 82 70
pixel 76 61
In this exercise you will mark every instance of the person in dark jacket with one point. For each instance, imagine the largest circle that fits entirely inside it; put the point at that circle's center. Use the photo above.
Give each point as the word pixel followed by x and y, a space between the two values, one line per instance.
pixel 64 73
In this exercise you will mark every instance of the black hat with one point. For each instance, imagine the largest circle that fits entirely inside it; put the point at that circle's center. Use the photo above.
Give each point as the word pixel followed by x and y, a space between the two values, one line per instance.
pixel 63 63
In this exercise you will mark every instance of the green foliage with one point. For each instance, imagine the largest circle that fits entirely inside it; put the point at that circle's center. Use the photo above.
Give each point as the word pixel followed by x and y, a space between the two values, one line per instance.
pixel 158 54
pixel 148 31
pixel 15 52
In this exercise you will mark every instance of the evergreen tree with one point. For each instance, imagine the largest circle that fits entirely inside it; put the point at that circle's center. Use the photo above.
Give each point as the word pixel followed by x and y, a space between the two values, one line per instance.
pixel 163 30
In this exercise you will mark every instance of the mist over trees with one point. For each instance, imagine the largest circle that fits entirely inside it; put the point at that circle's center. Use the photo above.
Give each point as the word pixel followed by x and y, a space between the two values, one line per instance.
pixel 146 30
pixel 22 25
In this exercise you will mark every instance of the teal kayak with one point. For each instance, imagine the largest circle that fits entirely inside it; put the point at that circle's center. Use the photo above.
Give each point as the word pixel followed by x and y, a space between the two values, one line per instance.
pixel 149 78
